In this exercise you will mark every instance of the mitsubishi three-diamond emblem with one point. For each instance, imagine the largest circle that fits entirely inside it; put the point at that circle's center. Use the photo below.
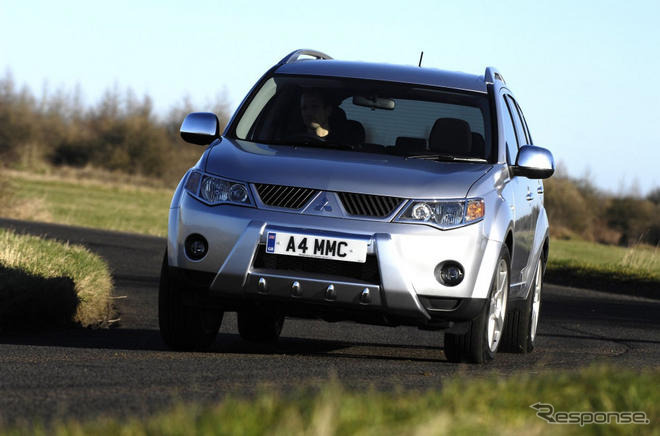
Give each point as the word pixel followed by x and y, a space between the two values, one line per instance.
pixel 323 204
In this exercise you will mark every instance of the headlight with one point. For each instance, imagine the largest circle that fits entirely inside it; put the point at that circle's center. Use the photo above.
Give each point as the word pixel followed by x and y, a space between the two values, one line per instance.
pixel 215 190
pixel 444 214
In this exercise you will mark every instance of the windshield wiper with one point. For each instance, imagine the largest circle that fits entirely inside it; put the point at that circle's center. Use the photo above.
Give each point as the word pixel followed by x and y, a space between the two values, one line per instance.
pixel 444 157
pixel 330 145
pixel 317 143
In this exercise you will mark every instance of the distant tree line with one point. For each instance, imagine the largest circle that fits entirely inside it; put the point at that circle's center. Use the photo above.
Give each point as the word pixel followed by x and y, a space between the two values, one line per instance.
pixel 121 133
pixel 576 208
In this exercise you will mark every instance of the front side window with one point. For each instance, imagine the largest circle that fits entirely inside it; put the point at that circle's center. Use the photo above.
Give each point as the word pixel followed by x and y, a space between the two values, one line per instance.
pixel 510 135
pixel 368 116
pixel 524 121
pixel 515 116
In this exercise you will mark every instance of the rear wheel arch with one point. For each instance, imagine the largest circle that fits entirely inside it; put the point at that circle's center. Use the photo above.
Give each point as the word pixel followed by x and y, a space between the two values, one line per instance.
pixel 508 241
pixel 545 252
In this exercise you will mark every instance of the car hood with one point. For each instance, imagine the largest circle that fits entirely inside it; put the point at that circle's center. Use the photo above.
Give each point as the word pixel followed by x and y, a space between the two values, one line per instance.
pixel 342 171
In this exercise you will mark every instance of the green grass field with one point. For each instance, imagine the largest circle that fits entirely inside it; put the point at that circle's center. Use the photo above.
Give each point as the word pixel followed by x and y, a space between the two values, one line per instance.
pixel 634 269
pixel 496 405
pixel 642 258
pixel 118 205
pixel 45 283
pixel 111 205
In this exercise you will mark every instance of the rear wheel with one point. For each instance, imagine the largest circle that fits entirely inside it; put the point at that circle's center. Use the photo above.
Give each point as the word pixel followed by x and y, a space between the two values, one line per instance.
pixel 521 325
pixel 484 333
pixel 260 325
pixel 183 327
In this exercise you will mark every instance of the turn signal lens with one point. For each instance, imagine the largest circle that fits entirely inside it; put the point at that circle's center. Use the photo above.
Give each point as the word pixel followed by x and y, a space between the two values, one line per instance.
pixel 192 184
pixel 475 210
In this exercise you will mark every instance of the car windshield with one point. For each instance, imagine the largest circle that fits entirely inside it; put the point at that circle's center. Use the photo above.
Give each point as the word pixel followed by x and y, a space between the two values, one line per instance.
pixel 368 116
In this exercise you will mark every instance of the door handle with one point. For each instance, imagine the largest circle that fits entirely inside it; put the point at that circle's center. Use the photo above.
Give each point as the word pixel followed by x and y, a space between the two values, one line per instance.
pixel 539 190
pixel 529 196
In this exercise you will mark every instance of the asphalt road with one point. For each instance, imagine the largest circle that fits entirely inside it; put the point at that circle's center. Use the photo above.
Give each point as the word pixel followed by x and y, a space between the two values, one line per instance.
pixel 127 370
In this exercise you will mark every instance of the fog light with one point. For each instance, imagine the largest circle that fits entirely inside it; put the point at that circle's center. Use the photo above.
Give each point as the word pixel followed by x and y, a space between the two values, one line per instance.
pixel 449 273
pixel 196 246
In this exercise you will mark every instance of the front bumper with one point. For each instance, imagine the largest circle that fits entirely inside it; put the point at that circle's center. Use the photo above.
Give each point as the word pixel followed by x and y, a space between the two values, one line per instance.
pixel 404 257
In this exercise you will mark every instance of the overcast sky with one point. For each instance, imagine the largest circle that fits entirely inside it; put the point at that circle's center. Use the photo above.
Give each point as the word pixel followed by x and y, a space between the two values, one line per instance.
pixel 584 72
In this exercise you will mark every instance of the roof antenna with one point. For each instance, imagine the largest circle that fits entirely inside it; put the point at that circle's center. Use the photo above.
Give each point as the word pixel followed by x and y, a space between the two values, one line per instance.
pixel 420 58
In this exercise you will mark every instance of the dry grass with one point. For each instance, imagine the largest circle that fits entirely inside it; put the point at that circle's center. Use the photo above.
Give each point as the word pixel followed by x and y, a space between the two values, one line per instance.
pixel 32 267
pixel 34 209
pixel 90 176
pixel 641 257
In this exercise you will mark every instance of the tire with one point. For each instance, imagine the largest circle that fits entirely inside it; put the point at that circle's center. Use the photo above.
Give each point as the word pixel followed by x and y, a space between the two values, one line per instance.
pixel 484 333
pixel 522 322
pixel 183 327
pixel 260 325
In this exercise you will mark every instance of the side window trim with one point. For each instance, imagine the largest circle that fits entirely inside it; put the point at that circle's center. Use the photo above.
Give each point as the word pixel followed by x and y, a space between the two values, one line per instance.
pixel 509 119
pixel 521 123
pixel 517 125
pixel 524 122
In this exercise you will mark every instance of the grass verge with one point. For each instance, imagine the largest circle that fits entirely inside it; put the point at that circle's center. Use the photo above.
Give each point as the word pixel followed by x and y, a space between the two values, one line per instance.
pixel 633 270
pixel 464 406
pixel 45 282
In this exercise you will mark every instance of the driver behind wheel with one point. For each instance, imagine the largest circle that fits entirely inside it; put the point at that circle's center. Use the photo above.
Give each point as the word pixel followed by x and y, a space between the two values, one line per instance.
pixel 325 120
pixel 315 112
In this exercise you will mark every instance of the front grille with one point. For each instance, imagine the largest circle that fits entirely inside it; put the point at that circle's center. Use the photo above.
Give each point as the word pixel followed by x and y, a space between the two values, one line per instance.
pixel 367 271
pixel 369 205
pixel 288 197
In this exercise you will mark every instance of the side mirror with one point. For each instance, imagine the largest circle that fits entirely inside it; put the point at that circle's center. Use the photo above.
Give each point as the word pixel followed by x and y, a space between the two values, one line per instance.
pixel 534 163
pixel 200 128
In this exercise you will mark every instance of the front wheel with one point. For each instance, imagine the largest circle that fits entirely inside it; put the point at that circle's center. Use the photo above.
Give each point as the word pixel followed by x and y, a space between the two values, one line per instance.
pixel 183 327
pixel 484 333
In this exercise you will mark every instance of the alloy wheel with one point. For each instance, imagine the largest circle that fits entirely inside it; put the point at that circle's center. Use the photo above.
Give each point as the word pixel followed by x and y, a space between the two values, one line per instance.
pixel 536 302
pixel 497 309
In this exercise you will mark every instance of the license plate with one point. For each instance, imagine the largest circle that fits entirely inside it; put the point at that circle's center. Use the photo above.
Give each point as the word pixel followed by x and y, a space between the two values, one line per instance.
pixel 321 247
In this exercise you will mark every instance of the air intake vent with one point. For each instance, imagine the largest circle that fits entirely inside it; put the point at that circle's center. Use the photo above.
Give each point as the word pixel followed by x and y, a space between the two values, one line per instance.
pixel 369 205
pixel 288 197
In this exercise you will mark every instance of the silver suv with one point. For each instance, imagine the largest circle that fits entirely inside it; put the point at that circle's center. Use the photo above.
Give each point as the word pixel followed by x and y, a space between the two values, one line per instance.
pixel 382 194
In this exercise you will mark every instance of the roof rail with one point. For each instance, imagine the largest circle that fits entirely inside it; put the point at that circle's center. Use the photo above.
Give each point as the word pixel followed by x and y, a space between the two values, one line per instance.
pixel 492 75
pixel 294 55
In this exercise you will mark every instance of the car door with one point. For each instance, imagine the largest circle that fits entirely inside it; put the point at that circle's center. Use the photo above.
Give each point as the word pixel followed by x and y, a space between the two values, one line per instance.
pixel 521 198
pixel 533 194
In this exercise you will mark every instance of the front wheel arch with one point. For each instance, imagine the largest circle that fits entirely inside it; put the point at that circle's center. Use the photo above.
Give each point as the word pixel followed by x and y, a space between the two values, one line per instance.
pixel 474 345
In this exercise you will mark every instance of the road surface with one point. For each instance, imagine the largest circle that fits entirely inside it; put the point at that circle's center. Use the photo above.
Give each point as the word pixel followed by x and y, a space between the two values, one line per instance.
pixel 127 370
